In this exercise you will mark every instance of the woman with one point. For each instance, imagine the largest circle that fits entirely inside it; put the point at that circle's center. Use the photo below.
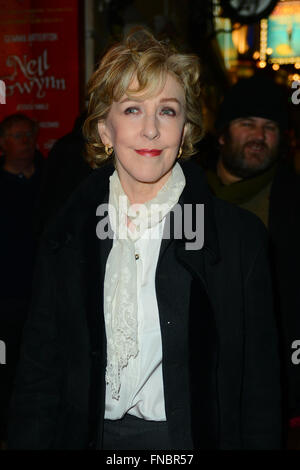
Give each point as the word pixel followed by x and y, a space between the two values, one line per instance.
pixel 139 339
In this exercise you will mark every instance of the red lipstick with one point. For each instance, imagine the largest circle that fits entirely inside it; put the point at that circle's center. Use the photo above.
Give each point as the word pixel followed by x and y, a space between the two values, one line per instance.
pixel 149 152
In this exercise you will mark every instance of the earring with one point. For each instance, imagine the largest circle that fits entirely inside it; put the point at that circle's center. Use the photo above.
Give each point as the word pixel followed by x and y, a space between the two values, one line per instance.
pixel 108 150
pixel 179 153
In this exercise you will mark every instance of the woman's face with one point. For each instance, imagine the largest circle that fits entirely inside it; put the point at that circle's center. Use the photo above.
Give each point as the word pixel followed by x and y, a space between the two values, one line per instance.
pixel 146 135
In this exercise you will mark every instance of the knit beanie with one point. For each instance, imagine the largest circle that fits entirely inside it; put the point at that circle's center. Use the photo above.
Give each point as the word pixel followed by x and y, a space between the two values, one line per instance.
pixel 257 96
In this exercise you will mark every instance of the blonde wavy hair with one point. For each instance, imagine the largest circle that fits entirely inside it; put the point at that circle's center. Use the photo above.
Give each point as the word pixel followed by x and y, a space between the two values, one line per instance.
pixel 141 56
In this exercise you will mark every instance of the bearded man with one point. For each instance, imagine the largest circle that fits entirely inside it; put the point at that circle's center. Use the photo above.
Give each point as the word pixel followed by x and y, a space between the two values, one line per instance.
pixel 253 171
pixel 251 124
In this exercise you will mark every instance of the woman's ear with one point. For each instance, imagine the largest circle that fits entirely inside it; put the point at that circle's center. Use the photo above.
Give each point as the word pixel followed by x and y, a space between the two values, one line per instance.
pixel 104 133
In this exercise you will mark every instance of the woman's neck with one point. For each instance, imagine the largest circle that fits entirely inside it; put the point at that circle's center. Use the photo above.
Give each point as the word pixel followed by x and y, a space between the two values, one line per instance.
pixel 139 192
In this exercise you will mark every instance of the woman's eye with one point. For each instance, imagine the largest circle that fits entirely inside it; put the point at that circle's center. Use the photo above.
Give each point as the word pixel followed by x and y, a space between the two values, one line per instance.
pixel 131 110
pixel 168 112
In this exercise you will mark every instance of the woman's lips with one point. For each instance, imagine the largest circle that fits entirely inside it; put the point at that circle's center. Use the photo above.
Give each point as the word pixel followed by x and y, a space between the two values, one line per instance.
pixel 149 152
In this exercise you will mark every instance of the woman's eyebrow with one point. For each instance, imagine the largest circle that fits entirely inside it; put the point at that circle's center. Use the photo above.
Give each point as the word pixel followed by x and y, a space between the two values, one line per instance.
pixel 130 99
pixel 163 100
pixel 170 99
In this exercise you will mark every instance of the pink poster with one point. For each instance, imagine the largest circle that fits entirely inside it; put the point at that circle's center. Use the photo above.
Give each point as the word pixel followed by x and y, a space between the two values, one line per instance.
pixel 39 64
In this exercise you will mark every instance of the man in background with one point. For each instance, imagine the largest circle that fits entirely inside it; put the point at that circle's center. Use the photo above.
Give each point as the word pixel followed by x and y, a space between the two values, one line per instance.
pixel 252 170
pixel 20 170
pixel 250 127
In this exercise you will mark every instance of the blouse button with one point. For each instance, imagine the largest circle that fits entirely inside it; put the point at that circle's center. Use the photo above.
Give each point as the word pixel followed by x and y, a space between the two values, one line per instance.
pixel 137 256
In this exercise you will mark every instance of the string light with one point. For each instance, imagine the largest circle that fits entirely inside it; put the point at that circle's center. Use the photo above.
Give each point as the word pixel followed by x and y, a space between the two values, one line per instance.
pixel 262 64
pixel 275 66
pixel 263 39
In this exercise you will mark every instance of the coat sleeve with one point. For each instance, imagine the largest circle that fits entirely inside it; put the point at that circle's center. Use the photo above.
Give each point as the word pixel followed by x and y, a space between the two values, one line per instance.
pixel 261 397
pixel 35 403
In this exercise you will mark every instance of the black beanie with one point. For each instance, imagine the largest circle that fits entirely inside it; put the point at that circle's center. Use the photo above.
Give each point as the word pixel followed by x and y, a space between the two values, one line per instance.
pixel 257 96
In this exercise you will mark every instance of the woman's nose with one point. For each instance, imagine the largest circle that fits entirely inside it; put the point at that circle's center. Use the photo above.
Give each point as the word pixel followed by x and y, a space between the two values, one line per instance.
pixel 150 127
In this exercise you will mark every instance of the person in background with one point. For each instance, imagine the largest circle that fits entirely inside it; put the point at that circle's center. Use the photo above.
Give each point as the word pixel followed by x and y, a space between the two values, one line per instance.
pixel 250 128
pixel 251 168
pixel 65 167
pixel 20 172
pixel 141 335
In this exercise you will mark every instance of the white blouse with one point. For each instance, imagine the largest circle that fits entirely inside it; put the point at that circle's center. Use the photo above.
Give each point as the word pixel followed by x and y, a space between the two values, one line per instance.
pixel 141 392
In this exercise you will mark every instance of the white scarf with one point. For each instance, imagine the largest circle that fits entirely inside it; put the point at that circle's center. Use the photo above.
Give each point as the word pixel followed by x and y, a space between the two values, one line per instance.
pixel 120 283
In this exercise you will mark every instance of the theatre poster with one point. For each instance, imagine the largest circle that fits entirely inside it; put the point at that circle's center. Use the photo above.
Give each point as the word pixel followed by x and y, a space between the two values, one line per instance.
pixel 39 64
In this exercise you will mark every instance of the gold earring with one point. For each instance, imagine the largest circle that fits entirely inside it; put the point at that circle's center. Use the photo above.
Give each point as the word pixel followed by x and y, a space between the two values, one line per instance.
pixel 108 150
pixel 179 153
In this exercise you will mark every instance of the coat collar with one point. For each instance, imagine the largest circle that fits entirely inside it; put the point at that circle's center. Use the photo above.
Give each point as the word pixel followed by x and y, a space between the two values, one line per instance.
pixel 80 210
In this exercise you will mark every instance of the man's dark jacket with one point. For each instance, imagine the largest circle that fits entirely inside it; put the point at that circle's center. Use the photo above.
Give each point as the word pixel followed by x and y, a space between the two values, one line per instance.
pixel 219 340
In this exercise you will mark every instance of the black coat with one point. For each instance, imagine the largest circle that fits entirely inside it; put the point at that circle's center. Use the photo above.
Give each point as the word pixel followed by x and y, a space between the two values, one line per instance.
pixel 219 339
pixel 284 226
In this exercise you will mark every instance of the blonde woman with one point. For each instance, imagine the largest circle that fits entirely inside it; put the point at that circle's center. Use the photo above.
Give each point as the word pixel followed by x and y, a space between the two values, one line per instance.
pixel 151 324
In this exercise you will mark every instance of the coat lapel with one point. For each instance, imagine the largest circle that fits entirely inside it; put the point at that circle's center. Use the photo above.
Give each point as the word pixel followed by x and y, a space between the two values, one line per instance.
pixel 195 192
pixel 94 253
